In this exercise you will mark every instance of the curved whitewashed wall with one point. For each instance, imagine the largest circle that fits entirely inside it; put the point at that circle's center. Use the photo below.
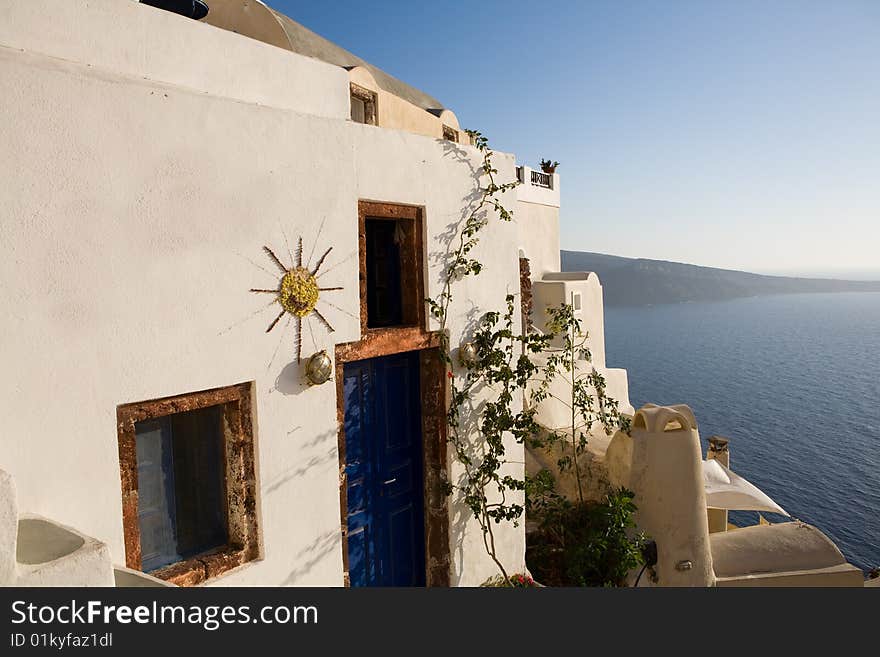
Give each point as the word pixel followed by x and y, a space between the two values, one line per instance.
pixel 399 114
pixel 135 213
pixel 660 461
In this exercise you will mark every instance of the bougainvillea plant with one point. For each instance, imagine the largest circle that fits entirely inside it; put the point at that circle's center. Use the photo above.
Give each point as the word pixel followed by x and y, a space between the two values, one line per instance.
pixel 516 580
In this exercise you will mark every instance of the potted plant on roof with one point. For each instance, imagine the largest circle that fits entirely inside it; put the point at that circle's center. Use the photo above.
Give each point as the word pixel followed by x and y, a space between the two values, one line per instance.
pixel 549 167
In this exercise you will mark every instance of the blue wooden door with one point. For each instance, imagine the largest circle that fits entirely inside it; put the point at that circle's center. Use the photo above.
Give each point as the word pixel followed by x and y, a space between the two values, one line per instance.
pixel 383 453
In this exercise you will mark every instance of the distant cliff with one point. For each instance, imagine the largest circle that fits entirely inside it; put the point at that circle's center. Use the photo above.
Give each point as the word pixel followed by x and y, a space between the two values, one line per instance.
pixel 640 282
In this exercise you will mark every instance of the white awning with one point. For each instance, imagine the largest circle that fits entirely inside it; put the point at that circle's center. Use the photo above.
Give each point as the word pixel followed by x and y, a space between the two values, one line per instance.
pixel 727 490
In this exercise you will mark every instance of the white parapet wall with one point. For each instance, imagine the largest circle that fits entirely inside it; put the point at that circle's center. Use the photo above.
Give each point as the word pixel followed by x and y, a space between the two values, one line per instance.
pixel 51 554
pixel 554 411
pixel 149 44
pixel 35 551
pixel 538 187
pixel 785 554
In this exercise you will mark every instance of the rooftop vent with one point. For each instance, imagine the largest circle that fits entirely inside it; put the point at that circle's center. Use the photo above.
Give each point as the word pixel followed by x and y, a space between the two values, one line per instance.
pixel 196 9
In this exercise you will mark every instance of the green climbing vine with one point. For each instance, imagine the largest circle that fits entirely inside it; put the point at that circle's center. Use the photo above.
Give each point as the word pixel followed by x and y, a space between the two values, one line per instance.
pixel 495 366
pixel 494 395
pixel 587 401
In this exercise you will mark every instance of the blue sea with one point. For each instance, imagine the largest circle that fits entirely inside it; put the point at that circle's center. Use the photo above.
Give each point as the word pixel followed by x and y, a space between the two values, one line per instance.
pixel 792 380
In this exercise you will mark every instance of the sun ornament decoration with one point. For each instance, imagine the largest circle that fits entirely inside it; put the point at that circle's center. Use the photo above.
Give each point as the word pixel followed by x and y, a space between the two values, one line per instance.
pixel 298 292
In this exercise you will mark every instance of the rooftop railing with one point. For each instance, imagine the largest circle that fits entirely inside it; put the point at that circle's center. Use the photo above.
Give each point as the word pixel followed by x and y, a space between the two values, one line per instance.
pixel 537 178
pixel 541 179
pixel 537 186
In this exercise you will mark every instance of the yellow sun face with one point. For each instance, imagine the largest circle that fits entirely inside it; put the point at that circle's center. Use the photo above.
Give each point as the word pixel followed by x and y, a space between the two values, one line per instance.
pixel 298 292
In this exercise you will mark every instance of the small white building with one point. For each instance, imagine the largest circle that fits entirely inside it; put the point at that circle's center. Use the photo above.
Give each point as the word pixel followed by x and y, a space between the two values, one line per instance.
pixel 156 171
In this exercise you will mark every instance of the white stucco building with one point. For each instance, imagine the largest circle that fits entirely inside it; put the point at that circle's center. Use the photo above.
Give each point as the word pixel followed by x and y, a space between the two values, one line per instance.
pixel 157 170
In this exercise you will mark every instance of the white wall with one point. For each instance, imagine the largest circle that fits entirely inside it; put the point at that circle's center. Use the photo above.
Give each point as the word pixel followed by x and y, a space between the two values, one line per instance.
pixel 145 43
pixel 135 213
pixel 538 227
pixel 558 288
pixel 660 461
pixel 529 193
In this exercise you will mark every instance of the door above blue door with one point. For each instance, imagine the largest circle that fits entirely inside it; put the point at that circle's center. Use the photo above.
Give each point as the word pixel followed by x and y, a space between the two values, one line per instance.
pixel 384 471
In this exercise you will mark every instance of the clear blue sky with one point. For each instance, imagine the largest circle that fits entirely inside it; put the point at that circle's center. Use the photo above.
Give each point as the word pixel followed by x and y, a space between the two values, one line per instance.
pixel 735 134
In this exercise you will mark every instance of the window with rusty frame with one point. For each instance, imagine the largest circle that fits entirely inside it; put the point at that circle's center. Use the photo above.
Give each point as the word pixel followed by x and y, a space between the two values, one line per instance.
pixel 364 105
pixel 391 266
pixel 197 451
